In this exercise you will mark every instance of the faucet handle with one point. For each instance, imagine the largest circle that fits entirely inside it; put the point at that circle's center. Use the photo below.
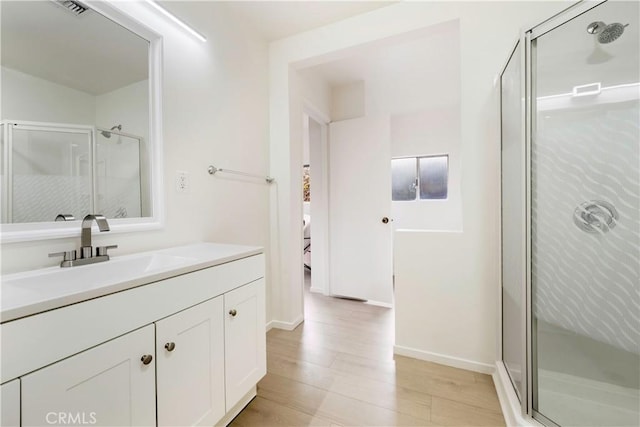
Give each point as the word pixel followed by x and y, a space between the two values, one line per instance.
pixel 102 250
pixel 68 255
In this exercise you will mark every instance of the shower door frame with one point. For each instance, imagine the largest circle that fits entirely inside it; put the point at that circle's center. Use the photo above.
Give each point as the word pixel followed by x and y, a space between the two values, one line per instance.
pixel 527 85
pixel 7 182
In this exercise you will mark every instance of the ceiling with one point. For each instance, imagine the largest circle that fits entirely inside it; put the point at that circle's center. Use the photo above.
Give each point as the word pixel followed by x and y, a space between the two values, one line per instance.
pixel 279 19
pixel 88 52
pixel 94 55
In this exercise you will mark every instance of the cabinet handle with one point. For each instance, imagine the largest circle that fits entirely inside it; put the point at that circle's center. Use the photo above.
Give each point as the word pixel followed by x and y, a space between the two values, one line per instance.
pixel 170 346
pixel 233 312
pixel 146 359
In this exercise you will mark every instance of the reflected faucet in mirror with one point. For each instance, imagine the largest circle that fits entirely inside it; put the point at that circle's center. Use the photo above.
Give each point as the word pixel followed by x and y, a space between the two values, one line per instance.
pixel 70 258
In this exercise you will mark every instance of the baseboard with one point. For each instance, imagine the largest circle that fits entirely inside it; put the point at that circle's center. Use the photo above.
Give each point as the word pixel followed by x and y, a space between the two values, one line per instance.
pixel 379 304
pixel 316 290
pixel 444 359
pixel 287 326
pixel 237 408
pixel 509 402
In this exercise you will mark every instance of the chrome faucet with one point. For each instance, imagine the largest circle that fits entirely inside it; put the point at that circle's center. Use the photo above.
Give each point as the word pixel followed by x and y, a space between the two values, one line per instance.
pixel 86 249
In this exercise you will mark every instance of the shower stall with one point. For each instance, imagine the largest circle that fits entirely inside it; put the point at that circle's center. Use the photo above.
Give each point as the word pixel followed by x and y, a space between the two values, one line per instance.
pixel 570 156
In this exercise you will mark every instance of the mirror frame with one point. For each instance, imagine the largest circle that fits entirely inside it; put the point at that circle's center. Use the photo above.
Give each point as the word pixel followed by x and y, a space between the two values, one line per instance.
pixel 24 232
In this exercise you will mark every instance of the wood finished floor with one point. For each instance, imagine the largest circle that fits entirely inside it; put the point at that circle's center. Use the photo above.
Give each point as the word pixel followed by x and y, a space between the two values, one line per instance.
pixel 338 369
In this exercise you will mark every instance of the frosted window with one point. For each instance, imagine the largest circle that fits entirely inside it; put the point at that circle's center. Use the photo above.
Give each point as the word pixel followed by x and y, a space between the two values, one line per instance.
pixel 434 173
pixel 403 179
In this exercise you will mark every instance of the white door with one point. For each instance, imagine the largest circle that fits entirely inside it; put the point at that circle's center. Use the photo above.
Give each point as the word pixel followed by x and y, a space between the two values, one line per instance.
pixel 245 340
pixel 359 202
pixel 190 365
pixel 112 384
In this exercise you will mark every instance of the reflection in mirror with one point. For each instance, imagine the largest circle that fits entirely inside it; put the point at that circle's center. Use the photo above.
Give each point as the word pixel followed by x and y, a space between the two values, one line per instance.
pixel 75 122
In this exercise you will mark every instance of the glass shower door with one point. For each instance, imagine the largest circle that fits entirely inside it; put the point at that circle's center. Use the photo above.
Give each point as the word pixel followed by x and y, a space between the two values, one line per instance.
pixel 512 216
pixel 585 219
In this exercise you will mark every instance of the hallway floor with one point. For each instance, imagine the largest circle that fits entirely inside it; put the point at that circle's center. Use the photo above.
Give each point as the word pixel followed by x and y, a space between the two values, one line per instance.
pixel 338 369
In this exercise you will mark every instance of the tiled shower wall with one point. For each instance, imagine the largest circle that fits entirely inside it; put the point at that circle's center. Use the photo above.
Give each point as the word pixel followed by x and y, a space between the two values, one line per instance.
pixel 587 283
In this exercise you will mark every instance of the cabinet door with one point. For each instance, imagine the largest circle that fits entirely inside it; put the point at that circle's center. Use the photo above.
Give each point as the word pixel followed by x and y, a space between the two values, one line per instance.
pixel 108 385
pixel 189 346
pixel 245 340
pixel 10 404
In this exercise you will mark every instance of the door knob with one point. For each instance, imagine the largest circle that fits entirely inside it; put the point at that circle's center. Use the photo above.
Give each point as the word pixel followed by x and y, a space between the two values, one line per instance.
pixel 385 220
pixel 233 312
pixel 146 359
pixel 170 346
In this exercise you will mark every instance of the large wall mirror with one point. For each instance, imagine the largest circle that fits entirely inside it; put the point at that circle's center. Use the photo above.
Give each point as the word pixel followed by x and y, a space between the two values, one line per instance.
pixel 79 123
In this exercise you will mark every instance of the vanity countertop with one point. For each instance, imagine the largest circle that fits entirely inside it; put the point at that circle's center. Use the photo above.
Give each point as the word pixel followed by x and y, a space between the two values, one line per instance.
pixel 32 292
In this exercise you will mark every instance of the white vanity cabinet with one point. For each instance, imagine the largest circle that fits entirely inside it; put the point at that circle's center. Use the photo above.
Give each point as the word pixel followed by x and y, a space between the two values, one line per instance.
pixel 108 385
pixel 245 340
pixel 190 365
pixel 185 347
pixel 10 404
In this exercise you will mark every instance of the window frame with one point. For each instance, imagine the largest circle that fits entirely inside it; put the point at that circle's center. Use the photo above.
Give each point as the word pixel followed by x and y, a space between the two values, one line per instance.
pixel 417 180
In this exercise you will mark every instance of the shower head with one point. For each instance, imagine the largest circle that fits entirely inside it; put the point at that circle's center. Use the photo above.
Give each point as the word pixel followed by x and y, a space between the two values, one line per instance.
pixel 107 134
pixel 595 27
pixel 611 33
pixel 606 33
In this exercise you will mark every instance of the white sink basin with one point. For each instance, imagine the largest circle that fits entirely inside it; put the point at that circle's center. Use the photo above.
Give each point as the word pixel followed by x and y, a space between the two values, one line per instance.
pixel 31 292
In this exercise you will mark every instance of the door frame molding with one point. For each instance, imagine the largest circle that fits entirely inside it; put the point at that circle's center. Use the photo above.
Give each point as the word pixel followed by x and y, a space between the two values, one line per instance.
pixel 309 111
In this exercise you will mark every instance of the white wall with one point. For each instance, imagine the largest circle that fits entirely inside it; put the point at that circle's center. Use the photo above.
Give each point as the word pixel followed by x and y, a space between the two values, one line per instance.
pixel 348 101
pixel 128 106
pixel 465 325
pixel 212 91
pixel 25 97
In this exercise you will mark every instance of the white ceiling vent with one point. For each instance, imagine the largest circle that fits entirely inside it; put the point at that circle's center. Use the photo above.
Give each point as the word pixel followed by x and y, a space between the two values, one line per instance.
pixel 74 7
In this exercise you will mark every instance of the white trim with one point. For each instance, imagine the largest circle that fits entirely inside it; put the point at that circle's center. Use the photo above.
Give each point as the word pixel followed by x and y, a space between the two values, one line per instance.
pixel 11 233
pixel 316 290
pixel 309 111
pixel 315 113
pixel 509 403
pixel 287 326
pixel 379 304
pixel 443 359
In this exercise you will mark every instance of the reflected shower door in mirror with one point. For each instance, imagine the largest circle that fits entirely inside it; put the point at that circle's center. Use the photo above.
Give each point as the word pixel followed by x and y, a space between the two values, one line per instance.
pixel 585 219
pixel 58 170
pixel 76 114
